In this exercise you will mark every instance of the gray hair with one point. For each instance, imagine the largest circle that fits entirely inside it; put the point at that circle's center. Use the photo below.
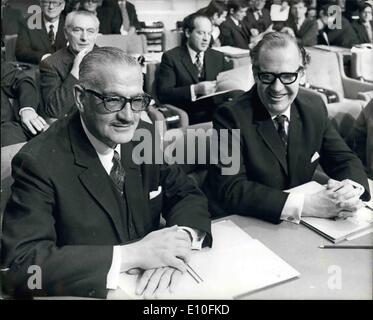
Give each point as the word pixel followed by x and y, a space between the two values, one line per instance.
pixel 277 40
pixel 70 17
pixel 103 56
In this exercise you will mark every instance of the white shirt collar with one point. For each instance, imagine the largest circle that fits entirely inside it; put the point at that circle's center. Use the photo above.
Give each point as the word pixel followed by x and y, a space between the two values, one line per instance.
pixel 286 113
pixel 55 25
pixel 236 22
pixel 104 152
pixel 193 54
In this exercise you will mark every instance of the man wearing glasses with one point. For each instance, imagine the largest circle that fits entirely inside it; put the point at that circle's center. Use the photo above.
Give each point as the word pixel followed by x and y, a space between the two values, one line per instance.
pixel 36 41
pixel 84 210
pixel 284 134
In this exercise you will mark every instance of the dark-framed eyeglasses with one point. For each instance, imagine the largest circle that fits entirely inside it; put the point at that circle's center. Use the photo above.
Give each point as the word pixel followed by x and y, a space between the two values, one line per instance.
pixel 53 3
pixel 285 77
pixel 117 103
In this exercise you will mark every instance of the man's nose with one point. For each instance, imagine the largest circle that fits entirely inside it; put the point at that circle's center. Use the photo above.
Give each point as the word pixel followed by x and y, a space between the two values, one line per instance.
pixel 277 85
pixel 83 35
pixel 126 113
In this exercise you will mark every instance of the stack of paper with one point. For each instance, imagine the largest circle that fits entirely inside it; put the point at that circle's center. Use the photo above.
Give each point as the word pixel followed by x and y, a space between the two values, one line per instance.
pixel 233 52
pixel 339 229
pixel 236 265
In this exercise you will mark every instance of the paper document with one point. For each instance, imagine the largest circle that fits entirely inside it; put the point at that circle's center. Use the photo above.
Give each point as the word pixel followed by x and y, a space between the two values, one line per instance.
pixel 279 12
pixel 339 229
pixel 233 52
pixel 236 265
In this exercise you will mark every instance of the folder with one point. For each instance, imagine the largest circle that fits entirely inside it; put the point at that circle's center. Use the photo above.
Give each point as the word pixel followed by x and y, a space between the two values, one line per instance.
pixel 339 229
pixel 236 265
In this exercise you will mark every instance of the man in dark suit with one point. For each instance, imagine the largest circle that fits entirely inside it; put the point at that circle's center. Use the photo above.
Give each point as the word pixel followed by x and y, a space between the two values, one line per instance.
pixel 334 29
pixel 364 26
pixel 60 71
pixel 42 34
pixel 190 70
pixel 258 19
pixel 20 120
pixel 232 31
pixel 85 208
pixel 11 19
pixel 130 22
pixel 284 135
pixel 304 29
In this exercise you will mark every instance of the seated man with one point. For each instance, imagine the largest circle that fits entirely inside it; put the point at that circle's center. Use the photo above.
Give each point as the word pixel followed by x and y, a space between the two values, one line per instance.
pixel 284 135
pixel 364 25
pixel 361 138
pixel 304 29
pixel 60 71
pixel 334 29
pixel 19 119
pixel 233 33
pixel 84 209
pixel 257 21
pixel 129 20
pixel 190 70
pixel 43 34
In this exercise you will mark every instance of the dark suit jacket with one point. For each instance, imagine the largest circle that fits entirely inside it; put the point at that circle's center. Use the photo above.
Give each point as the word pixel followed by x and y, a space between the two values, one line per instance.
pixel 177 73
pixel 65 214
pixel 32 44
pixel 57 84
pixel 22 89
pixel 232 35
pixel 110 18
pixel 131 10
pixel 264 169
pixel 307 34
pixel 361 32
pixel 342 37
pixel 12 21
pixel 261 25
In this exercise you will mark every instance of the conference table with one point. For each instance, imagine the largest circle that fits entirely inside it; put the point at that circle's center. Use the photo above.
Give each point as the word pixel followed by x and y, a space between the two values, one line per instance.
pixel 324 273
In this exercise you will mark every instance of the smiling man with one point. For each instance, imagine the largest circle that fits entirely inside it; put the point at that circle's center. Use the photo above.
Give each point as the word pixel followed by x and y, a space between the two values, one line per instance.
pixel 190 70
pixel 42 34
pixel 60 72
pixel 284 134
pixel 83 211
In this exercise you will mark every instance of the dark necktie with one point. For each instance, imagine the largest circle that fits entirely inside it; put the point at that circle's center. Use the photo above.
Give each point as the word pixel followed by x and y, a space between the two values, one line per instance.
pixel 51 35
pixel 280 120
pixel 199 66
pixel 117 172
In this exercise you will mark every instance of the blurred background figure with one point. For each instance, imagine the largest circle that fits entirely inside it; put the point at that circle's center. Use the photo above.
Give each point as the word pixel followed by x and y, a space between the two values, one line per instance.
pixel 364 26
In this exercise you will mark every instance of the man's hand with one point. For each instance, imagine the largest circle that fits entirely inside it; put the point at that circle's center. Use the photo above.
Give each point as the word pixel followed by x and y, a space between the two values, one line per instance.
pixel 168 247
pixel 289 31
pixel 32 121
pixel 78 59
pixel 205 87
pixel 155 282
pixel 347 196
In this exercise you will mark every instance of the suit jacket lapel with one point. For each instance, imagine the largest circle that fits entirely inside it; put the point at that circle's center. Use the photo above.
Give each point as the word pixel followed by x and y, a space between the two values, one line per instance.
pixel 237 28
pixel 60 36
pixel 44 36
pixel 295 142
pixel 266 129
pixel 209 65
pixel 188 64
pixel 93 175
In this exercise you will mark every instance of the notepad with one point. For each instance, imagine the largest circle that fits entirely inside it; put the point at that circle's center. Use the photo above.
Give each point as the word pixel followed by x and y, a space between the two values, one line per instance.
pixel 235 266
pixel 339 229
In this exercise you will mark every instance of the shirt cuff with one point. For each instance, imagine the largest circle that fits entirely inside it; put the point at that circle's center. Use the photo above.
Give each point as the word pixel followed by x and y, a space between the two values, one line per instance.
pixel 25 108
pixel 197 237
pixel 112 279
pixel 193 93
pixel 293 208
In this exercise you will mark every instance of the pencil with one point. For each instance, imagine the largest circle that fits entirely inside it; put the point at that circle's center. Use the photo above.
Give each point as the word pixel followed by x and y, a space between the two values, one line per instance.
pixel 345 247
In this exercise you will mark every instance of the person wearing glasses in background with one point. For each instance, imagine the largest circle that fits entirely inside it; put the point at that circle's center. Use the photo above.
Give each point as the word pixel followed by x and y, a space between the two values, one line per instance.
pixel 60 71
pixel 284 134
pixel 84 209
pixel 42 34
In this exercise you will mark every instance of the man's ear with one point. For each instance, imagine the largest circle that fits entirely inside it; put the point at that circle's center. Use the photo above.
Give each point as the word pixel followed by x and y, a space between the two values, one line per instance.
pixel 302 78
pixel 79 95
pixel 187 33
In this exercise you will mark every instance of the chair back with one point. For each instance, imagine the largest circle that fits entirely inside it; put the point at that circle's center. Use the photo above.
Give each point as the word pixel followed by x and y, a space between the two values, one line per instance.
pixel 131 44
pixel 171 39
pixel 10 47
pixel 362 65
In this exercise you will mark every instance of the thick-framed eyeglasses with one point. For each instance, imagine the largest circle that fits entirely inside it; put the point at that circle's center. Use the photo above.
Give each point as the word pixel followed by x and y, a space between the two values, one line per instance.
pixel 54 4
pixel 285 77
pixel 117 103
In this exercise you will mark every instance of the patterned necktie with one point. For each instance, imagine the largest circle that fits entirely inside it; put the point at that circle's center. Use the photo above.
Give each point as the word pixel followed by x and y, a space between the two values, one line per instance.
pixel 280 120
pixel 117 172
pixel 199 66
pixel 51 35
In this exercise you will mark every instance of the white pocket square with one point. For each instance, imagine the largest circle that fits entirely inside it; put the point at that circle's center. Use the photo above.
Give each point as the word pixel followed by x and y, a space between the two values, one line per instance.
pixel 153 194
pixel 315 157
